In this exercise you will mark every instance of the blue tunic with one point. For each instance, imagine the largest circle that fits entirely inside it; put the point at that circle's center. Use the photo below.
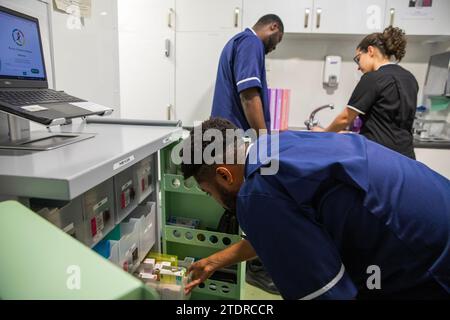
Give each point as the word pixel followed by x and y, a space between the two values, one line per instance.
pixel 339 205
pixel 241 66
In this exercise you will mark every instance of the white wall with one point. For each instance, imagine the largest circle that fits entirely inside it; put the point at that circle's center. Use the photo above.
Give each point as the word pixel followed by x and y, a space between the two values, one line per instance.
pixel 298 64
pixel 86 59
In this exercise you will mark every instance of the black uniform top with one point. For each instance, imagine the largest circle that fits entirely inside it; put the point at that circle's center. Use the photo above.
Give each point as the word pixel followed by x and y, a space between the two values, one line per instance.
pixel 386 100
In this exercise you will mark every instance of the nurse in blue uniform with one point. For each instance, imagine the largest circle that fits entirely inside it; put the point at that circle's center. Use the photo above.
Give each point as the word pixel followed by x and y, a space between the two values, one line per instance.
pixel 342 218
pixel 241 96
pixel 241 93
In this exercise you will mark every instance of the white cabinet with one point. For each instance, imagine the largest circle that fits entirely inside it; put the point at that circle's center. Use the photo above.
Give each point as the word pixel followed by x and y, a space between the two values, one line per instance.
pixel 320 16
pixel 353 17
pixel 197 59
pixel 436 159
pixel 425 17
pixel 203 27
pixel 146 55
pixel 348 16
pixel 208 15
pixel 169 52
pixel 295 14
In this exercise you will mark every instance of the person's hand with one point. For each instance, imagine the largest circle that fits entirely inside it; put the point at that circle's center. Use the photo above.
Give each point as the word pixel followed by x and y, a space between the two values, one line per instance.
pixel 198 272
pixel 317 129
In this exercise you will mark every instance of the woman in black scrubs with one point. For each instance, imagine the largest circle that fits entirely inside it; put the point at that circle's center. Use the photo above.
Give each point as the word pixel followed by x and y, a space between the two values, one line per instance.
pixel 386 96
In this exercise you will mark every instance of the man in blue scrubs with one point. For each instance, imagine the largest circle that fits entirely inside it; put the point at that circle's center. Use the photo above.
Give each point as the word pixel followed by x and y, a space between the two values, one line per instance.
pixel 241 93
pixel 241 96
pixel 342 218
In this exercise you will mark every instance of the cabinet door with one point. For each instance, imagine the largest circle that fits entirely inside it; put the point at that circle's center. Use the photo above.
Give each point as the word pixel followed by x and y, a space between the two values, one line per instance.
pixel 348 16
pixel 86 54
pixel 208 15
pixel 197 59
pixel 295 14
pixel 147 69
pixel 419 17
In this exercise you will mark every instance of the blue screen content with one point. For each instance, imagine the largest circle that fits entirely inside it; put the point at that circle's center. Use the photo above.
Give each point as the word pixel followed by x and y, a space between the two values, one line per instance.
pixel 20 49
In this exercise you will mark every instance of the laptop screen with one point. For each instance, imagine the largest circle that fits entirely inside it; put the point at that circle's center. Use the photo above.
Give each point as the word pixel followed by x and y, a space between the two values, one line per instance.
pixel 21 55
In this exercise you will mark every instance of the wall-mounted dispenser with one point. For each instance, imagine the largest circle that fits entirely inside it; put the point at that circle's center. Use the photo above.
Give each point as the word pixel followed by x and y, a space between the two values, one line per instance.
pixel 332 71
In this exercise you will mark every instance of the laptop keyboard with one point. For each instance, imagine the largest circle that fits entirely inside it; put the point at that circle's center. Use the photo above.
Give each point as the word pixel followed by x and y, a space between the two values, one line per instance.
pixel 30 97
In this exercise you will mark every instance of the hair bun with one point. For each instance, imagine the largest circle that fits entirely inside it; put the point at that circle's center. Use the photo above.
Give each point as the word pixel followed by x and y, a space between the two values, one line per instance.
pixel 394 41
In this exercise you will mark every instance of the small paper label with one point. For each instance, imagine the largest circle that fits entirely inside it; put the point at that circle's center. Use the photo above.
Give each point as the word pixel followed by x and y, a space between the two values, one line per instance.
pixel 127 185
pixel 98 205
pixel 34 108
pixel 91 106
pixel 69 228
pixel 123 162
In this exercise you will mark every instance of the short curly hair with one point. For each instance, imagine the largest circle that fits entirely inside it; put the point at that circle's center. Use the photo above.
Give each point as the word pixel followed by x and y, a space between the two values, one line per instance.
pixel 202 170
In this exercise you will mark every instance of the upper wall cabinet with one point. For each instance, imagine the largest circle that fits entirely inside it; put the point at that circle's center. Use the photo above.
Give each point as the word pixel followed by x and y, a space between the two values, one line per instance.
pixel 419 17
pixel 295 14
pixel 208 15
pixel 348 16
pixel 146 59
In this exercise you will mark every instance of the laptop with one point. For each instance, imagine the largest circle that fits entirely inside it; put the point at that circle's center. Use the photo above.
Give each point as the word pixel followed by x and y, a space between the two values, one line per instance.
pixel 24 88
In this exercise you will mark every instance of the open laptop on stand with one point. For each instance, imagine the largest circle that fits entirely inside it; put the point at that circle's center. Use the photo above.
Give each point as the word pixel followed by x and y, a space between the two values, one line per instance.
pixel 24 91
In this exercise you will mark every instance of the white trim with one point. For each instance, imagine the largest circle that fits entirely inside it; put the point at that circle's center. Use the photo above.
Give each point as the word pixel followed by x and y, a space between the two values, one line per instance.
pixel 247 80
pixel 324 289
pixel 355 109
pixel 248 150
pixel 253 31
pixel 247 153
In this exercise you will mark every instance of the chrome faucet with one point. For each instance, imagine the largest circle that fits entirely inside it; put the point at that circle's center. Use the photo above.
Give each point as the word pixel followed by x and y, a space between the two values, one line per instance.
pixel 312 122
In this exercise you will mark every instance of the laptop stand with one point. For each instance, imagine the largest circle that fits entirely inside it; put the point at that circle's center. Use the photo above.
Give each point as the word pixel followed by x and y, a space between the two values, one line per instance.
pixel 16 135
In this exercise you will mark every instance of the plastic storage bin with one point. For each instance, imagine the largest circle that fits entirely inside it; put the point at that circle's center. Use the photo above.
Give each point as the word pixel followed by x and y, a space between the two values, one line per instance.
pixel 129 245
pixel 98 212
pixel 146 215
pixel 143 173
pixel 114 252
pixel 125 191
pixel 66 216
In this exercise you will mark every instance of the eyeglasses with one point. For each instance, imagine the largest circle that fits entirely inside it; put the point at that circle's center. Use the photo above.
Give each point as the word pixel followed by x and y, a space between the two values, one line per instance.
pixel 357 58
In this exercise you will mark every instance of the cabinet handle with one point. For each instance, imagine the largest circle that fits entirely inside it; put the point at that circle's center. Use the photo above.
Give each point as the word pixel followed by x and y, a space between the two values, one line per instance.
pixel 169 18
pixel 169 112
pixel 236 17
pixel 306 17
pixel 392 13
pixel 167 50
pixel 319 12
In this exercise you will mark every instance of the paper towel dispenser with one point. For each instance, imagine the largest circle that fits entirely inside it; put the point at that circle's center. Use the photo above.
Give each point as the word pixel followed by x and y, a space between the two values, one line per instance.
pixel 437 82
